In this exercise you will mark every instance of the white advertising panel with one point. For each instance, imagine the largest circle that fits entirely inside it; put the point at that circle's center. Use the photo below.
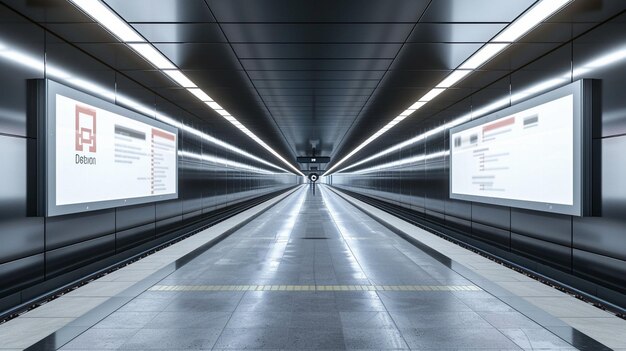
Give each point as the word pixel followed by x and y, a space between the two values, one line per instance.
pixel 527 156
pixel 101 155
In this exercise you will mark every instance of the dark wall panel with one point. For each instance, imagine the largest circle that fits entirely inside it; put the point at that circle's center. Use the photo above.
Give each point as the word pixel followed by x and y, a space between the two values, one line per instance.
pixel 606 234
pixel 129 217
pixel 21 273
pixel 611 271
pixel 546 252
pixel 21 58
pixel 605 45
pixel 20 235
pixel 491 215
pixel 68 258
pixel 70 229
pixel 128 238
pixel 545 226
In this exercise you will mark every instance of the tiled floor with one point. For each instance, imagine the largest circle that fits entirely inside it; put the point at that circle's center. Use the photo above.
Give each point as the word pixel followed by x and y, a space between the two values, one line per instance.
pixel 315 240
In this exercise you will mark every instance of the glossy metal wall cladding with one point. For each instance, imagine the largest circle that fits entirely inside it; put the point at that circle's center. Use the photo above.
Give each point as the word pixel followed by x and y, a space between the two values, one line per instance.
pixel 591 248
pixel 35 249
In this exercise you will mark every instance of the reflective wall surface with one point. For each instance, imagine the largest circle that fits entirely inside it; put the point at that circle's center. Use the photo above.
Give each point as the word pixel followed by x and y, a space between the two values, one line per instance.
pixel 38 254
pixel 593 248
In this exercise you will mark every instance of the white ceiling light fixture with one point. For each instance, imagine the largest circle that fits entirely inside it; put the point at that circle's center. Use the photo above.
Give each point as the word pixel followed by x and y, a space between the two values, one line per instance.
pixel 417 105
pixel 433 93
pixel 214 105
pixel 536 14
pixel 453 78
pixel 107 18
pixel 102 14
pixel 200 94
pixel 180 78
pixel 529 20
pixel 152 55
pixel 486 53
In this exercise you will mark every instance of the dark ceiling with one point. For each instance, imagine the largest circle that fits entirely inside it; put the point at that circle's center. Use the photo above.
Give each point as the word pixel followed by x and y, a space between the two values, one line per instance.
pixel 324 74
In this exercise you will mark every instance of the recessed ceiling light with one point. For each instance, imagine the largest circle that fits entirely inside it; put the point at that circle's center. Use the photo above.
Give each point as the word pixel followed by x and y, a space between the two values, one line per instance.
pixel 453 78
pixel 180 78
pixel 214 105
pixel 483 55
pixel 529 20
pixel 432 94
pixel 152 55
pixel 109 20
pixel 200 94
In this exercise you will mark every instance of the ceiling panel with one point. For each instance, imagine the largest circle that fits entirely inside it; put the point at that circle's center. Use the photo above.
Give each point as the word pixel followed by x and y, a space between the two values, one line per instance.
pixel 316 75
pixel 316 51
pixel 181 32
pixel 455 32
pixel 330 84
pixel 162 10
pixel 316 65
pixel 317 11
pixel 475 10
pixel 433 56
pixel 317 32
pixel 201 56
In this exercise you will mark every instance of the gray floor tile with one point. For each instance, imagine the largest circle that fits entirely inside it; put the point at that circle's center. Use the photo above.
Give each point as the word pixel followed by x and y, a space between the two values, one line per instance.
pixel 106 339
pixel 315 320
pixel 126 320
pixel 441 320
pixel 508 320
pixel 382 339
pixel 457 338
pixel 253 338
pixel 186 304
pixel 192 320
pixel 170 339
pixel 536 339
pixel 367 320
pixel 259 319
pixel 316 339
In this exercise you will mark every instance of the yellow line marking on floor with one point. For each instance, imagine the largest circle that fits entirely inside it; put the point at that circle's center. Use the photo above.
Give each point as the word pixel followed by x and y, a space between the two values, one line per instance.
pixel 315 288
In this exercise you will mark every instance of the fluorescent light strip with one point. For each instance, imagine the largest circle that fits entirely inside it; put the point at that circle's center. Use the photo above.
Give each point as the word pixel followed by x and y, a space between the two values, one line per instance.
pixel 180 78
pixel 522 25
pixel 122 30
pixel 214 105
pixel 109 20
pixel 200 94
pixel 402 162
pixel 496 105
pixel 225 162
pixel 152 55
pixel 486 53
pixel 453 78
pixel 529 20
pixel 433 93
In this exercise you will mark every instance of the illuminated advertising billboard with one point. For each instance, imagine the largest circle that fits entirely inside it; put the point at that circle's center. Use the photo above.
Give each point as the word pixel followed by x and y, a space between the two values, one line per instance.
pixel 530 155
pixel 100 155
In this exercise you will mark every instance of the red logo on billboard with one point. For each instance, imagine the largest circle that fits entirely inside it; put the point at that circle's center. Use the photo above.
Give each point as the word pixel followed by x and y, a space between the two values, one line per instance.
pixel 85 128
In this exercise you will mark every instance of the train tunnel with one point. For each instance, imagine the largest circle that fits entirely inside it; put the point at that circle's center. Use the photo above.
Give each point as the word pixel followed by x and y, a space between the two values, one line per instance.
pixel 313 175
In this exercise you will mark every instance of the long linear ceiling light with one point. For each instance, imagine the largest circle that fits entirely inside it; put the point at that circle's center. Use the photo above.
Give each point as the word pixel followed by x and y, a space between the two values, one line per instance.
pixel 492 106
pixel 518 28
pixel 102 14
